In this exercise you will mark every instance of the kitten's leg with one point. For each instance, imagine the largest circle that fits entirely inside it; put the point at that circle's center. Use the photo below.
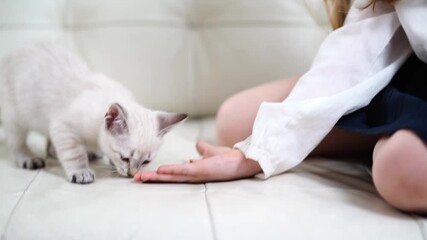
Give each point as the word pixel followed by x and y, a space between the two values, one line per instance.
pixel 92 156
pixel 51 152
pixel 17 142
pixel 71 154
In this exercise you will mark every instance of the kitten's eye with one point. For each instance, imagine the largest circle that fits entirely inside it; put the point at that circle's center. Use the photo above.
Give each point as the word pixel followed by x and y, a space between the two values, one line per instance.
pixel 124 159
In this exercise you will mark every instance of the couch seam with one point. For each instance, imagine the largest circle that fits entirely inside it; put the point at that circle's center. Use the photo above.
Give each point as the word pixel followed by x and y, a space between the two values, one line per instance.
pixel 157 23
pixel 192 55
pixel 211 220
pixel 3 235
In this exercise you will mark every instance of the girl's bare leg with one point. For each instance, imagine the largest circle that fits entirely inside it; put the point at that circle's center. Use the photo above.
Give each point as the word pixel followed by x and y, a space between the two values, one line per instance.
pixel 399 171
pixel 399 161
pixel 236 115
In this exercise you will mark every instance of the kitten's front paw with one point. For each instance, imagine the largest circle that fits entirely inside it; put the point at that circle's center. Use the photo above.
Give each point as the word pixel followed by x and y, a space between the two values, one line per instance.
pixel 31 163
pixel 82 176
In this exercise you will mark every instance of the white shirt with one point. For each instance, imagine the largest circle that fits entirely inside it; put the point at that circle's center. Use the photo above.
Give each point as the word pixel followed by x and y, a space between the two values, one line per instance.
pixel 353 64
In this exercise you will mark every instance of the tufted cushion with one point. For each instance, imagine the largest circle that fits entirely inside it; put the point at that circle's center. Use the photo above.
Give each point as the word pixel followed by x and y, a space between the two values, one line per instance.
pixel 176 55
pixel 187 56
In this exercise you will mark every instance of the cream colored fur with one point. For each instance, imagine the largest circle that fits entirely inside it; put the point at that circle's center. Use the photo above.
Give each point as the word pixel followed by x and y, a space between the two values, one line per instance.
pixel 46 88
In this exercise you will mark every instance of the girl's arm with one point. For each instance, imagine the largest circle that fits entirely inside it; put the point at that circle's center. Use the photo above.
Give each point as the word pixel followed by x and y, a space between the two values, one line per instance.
pixel 353 64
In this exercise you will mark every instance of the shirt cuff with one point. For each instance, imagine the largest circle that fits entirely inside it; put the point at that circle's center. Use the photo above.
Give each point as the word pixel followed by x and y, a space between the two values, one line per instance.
pixel 259 155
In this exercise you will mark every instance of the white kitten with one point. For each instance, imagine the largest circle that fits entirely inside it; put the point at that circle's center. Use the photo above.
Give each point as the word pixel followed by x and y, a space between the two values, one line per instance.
pixel 47 89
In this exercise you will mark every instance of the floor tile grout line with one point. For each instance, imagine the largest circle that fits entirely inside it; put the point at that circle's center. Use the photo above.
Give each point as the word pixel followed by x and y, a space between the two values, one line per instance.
pixel 211 220
pixel 3 234
pixel 208 205
pixel 421 226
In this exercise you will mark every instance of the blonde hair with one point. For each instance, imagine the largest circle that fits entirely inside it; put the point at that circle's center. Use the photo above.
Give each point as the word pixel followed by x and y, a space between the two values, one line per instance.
pixel 338 9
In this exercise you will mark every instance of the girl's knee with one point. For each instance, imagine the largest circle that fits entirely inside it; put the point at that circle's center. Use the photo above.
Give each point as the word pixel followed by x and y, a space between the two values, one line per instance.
pixel 222 121
pixel 237 114
pixel 399 171
pixel 227 122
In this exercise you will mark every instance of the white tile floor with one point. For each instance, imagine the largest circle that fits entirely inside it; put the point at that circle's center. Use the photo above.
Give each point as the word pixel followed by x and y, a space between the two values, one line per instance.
pixel 320 199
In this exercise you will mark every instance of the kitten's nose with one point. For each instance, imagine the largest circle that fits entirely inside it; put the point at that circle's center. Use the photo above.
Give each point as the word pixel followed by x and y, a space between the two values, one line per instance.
pixel 132 172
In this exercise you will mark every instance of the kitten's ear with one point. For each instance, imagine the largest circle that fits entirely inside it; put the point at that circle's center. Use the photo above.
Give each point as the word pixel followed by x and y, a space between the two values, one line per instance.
pixel 115 120
pixel 167 121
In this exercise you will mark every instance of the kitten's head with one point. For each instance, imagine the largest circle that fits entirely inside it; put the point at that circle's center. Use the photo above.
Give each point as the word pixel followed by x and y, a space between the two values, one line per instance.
pixel 131 137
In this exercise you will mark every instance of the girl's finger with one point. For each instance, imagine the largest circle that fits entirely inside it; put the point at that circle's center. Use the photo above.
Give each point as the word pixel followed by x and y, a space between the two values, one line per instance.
pixel 155 177
pixel 198 169
pixel 173 169
pixel 141 176
pixel 207 150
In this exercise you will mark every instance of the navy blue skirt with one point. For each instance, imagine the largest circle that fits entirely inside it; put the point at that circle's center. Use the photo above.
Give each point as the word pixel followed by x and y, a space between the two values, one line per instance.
pixel 400 105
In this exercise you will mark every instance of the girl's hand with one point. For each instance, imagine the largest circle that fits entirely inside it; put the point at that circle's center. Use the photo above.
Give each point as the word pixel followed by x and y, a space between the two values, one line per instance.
pixel 217 164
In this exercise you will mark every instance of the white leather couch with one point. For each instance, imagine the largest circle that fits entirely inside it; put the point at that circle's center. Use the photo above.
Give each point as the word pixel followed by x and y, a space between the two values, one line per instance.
pixel 187 56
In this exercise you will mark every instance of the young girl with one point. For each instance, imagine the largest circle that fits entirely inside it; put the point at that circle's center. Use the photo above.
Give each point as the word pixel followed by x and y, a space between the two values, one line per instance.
pixel 366 91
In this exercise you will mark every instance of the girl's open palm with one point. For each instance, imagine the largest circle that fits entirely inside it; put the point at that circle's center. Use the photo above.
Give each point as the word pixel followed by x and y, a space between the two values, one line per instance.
pixel 217 164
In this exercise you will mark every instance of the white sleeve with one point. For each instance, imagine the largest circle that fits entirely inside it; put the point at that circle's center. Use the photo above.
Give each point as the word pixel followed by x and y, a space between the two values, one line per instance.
pixel 353 64
pixel 413 17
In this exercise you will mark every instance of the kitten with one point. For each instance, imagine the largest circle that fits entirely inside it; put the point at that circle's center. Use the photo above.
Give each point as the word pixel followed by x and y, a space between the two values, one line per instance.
pixel 47 89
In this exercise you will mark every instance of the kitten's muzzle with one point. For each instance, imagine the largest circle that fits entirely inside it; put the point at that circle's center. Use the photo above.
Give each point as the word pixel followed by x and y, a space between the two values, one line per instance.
pixel 133 170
